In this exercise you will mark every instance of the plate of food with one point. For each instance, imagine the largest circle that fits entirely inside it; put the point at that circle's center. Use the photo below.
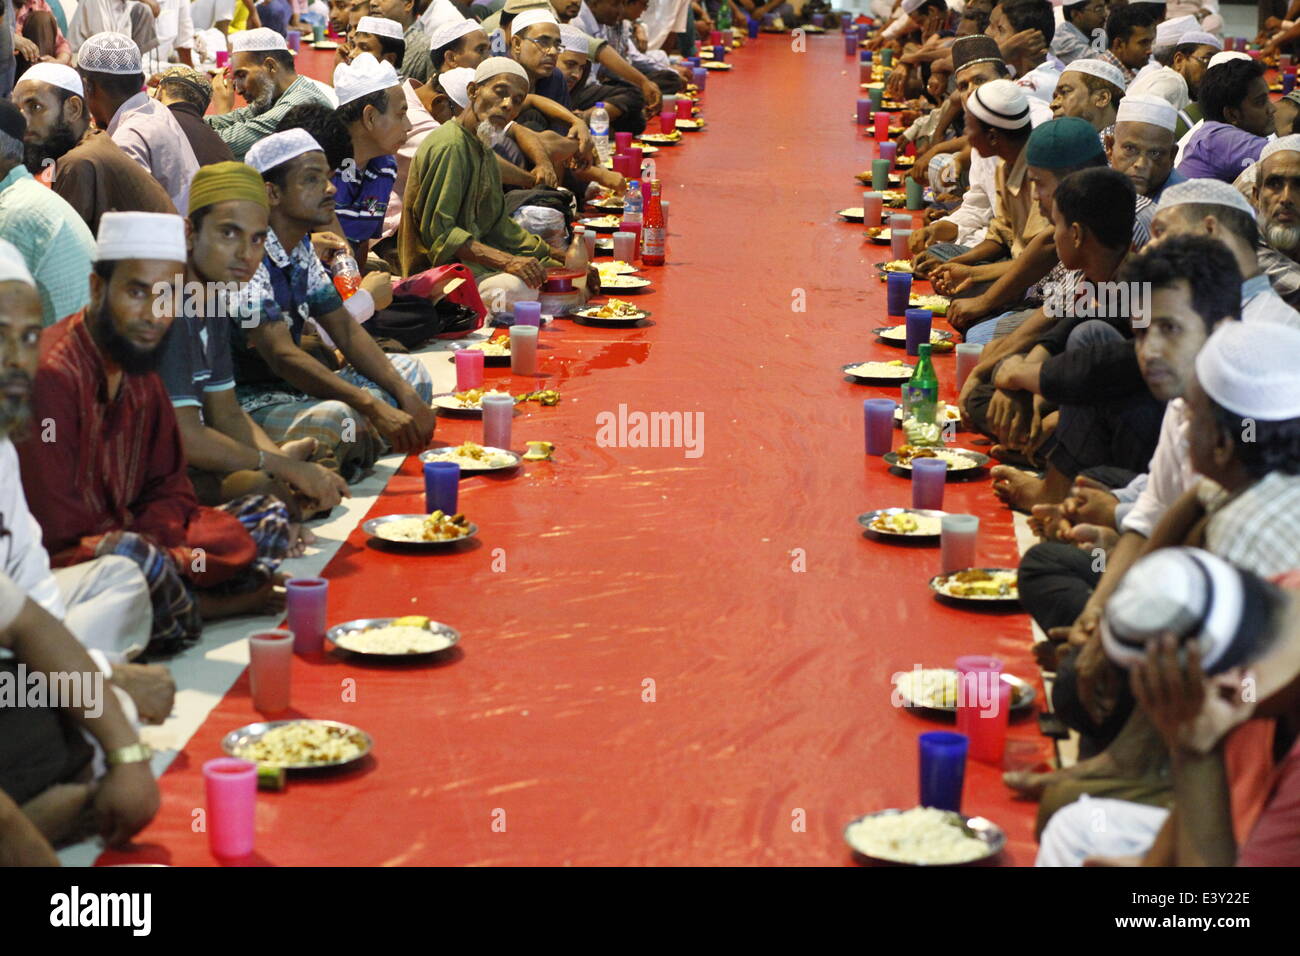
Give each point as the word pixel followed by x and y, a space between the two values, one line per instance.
pixel 897 335
pixel 893 199
pixel 912 523
pixel 691 125
pixel 623 283
pixel 495 349
pixel 325 45
pixel 616 268
pixel 894 265
pixel 924 836
pixel 851 214
pixel 937 304
pixel 608 202
pixel 905 162
pixel 411 636
pixel 880 235
pixel 602 223
pixel 430 531
pixel 298 744
pixel 978 584
pixel 935 689
pixel 865 178
pixel 713 65
pixel 960 460
pixel 661 139
pixel 468 403
pixel 604 243
pixel 613 312
pixel 950 413
pixel 879 373
pixel 473 457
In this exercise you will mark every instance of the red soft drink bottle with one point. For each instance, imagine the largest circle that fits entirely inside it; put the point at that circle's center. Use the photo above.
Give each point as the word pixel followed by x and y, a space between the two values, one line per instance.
pixel 347 277
pixel 653 230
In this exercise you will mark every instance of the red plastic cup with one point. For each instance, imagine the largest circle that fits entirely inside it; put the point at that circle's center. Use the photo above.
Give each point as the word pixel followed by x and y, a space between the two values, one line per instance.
pixel 882 126
pixel 469 369
pixel 715 37
pixel 231 786
pixel 270 657
pixel 622 141
pixel 684 107
pixel 667 122
pixel 983 705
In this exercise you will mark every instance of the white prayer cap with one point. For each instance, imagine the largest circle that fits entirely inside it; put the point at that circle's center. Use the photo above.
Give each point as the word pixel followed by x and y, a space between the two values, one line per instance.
pixel 1283 144
pixel 256 41
pixel 363 76
pixel 911 6
pixel 1201 38
pixel 531 18
pixel 574 40
pixel 141 235
pixel 1199 598
pixel 279 148
pixel 450 32
pixel 1205 192
pixel 1166 83
pixel 1000 103
pixel 1249 368
pixel 55 74
pixel 1098 68
pixel 454 83
pixel 13 268
pixel 1145 108
pixel 495 66
pixel 113 53
pixel 380 27
pixel 1225 56
pixel 1170 32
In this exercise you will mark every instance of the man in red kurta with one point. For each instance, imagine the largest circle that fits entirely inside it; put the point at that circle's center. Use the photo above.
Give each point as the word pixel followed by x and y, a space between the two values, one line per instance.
pixel 103 465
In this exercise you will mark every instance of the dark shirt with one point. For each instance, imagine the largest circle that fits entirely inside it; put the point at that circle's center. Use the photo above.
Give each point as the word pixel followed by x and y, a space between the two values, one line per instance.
pixel 552 87
pixel 96 177
pixel 196 358
pixel 208 147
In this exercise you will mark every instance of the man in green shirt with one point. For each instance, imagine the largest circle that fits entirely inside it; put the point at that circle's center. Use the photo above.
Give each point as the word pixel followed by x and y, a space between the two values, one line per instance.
pixel 454 207
pixel 261 69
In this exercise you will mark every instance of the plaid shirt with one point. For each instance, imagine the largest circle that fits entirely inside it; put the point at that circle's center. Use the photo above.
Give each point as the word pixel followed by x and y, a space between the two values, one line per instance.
pixel 1107 57
pixel 53 240
pixel 1257 529
pixel 242 128
pixel 416 61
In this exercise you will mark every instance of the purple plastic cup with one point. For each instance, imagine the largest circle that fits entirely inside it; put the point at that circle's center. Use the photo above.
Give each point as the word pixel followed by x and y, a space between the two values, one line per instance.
pixel 943 769
pixel 231 788
pixel 928 477
pixel 528 313
pixel 719 53
pixel 498 412
pixel 850 41
pixel 293 40
pixel 918 329
pixel 864 112
pixel 888 150
pixel 441 486
pixel 898 291
pixel 701 76
pixel 752 27
pixel 305 602
pixel 878 414
pixel 469 369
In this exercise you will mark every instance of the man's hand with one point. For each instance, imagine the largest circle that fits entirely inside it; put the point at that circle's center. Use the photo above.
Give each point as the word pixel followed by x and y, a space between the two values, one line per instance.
pixel 896 85
pixel 26 49
pixel 950 278
pixel 153 6
pixel 586 148
pixel 528 269
pixel 398 428
pixel 963 313
pixel 1093 537
pixel 1192 712
pixel 1046 522
pixel 125 802
pixel 326 244
pixel 223 92
pixel 380 287
pixel 544 176
pixel 654 98
pixel 1090 502
pixel 1004 412
pixel 1027 45
pixel 426 420
pixel 323 488
pixel 151 688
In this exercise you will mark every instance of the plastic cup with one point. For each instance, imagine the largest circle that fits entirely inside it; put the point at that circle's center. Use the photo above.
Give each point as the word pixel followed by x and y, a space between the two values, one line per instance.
pixel 918 329
pixel 879 423
pixel 880 175
pixel 719 53
pixel 943 769
pixel 498 414
pixel 701 76
pixel 305 601
pixel 293 40
pixel 888 150
pixel 1284 60
pixel 877 97
pixel 695 60
pixel 900 243
pixel 269 657
pixel 898 290
pixel 887 57
pixel 622 141
pixel 982 706
pixel 625 246
pixel 223 59
pixel 928 477
pixel 668 101
pixel 442 485
pixel 523 349
pixel 850 40
pixel 873 207
pixel 231 788
pixel 882 126
pixel 864 71
pixel 864 112
pixel 715 37
pixel 667 121
pixel 469 369
pixel 1288 82
pixel 968 356
pixel 915 192
pixel 957 537
pixel 589 237
pixel 528 313
pixel 317 32
pixel 684 107
pixel 634 156
pixel 751 27
pixel 819 19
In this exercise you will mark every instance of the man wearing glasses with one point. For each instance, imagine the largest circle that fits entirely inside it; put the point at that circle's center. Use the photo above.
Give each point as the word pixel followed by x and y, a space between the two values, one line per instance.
pixel 1074 35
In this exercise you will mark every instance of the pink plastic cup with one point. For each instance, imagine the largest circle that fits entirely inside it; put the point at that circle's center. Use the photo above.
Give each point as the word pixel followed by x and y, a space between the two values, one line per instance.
pixel 469 369
pixel 305 600
pixel 882 126
pixel 983 706
pixel 667 122
pixel 622 141
pixel 231 786
pixel 684 107
pixel 270 657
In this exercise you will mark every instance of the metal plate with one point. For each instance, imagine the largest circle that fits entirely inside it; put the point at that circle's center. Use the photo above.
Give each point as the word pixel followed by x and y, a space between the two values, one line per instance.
pixel 372 526
pixel 657 140
pixel 340 631
pixel 617 268
pixel 851 214
pixel 866 519
pixel 976 598
pixel 446 403
pixel 980 461
pixel 250 733
pixel 598 226
pixel 443 454
pixel 605 320
pixel 690 125
pixel 1023 695
pixel 882 238
pixel 625 283
pixel 896 335
pixel 862 379
pixel 980 827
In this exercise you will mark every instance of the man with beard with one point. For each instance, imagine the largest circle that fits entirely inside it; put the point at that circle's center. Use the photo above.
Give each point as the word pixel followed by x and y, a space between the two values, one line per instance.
pixel 1277 203
pixel 455 210
pixel 187 92
pixel 228 453
pixel 376 401
pixel 81 164
pixel 1238 120
pixel 109 64
pixel 262 72
pixel 105 474
pixel 53 240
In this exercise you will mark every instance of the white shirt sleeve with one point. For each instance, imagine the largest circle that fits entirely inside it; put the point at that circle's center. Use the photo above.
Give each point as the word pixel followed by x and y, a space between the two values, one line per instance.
pixel 27 564
pixel 12 600
pixel 975 213
pixel 1170 474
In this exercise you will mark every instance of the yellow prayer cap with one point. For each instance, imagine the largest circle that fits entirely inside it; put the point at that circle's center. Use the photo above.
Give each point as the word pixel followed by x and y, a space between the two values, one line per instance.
pixel 222 182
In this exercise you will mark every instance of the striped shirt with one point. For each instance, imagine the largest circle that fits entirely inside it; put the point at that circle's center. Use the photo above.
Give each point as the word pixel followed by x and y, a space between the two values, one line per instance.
pixel 415 61
pixel 361 199
pixel 242 128
pixel 53 239
pixel 1257 529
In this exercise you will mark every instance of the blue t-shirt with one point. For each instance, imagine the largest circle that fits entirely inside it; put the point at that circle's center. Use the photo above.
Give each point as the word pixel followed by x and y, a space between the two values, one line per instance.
pixel 361 199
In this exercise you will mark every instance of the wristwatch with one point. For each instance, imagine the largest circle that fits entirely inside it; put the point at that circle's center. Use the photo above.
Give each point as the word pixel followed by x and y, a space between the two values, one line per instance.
pixel 261 460
pixel 133 753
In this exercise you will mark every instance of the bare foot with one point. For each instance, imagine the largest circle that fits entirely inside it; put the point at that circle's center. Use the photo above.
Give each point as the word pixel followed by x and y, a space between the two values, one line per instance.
pixel 268 600
pixel 300 539
pixel 300 448
pixel 61 813
pixel 1017 489
pixel 150 686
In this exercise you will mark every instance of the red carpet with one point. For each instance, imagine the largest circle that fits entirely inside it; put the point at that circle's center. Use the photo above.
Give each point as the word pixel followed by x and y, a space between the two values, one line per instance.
pixel 629 565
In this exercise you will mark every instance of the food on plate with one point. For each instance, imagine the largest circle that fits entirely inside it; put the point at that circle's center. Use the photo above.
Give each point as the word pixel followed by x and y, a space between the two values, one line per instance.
pixel 613 309
pixel 304 742
pixel 690 124
pixel 608 281
pixel 938 304
pixel 498 345
pixel 404 635
pixel 898 265
pixel 877 232
pixel 434 527
pixel 616 268
pixel 474 456
pixel 904 522
pixel 672 137
pixel 896 369
pixel 898 333
pixel 979 583
pixel 950 413
pixel 956 461
pixel 602 222
pixel 936 688
pixel 920 835
pixel 473 398
pixel 546 396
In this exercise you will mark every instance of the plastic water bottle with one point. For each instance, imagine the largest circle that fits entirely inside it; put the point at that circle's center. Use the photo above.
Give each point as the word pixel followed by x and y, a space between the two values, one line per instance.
pixel 648 171
pixel 599 126
pixel 632 202
pixel 347 276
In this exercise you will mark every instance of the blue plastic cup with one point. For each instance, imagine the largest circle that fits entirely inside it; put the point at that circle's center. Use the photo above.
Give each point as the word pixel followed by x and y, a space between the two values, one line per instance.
pixel 752 26
pixel 441 486
pixel 898 291
pixel 918 328
pixel 943 769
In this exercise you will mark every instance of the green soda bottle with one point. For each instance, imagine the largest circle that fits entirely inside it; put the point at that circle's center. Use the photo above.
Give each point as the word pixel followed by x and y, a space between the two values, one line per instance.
pixel 921 402
pixel 724 17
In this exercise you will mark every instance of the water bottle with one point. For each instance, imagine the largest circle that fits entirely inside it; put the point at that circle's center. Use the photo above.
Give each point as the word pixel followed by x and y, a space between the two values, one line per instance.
pixel 648 171
pixel 632 202
pixel 599 126
pixel 347 277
